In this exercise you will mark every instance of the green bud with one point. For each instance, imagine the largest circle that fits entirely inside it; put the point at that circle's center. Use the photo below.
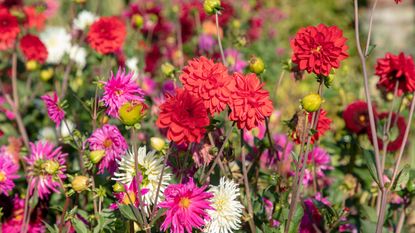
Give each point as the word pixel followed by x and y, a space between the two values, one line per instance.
pixel 157 143
pixel 167 69
pixel 256 65
pixel 117 187
pixel 138 20
pixel 80 183
pixel 211 7
pixel 96 156
pixel 132 113
pixel 311 102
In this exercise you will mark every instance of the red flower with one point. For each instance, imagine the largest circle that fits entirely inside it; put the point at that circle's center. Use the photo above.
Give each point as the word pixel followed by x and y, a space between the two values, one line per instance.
pixel 184 116
pixel 398 1
pixel 249 103
pixel 319 49
pixel 9 29
pixel 107 35
pixel 34 18
pixel 209 81
pixel 394 68
pixel 323 125
pixel 33 48
pixel 397 142
pixel 356 117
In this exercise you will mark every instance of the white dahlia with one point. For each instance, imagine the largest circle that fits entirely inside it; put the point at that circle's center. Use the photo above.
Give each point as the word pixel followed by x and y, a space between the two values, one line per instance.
pixel 84 19
pixel 57 41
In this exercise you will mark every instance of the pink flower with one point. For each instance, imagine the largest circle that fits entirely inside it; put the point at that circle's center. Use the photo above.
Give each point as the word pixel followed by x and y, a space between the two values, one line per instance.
pixel 186 206
pixel 45 165
pixel 236 63
pixel 8 172
pixel 55 112
pixel 119 89
pixel 206 43
pixel 130 195
pixel 109 139
pixel 322 163
pixel 202 154
pixel 284 148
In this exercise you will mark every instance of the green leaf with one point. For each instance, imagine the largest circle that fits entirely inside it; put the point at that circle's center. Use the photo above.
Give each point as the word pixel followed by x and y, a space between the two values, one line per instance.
pixel 370 213
pixel 370 163
pixel 131 213
pixel 370 49
pixel 295 223
pixel 79 226
pixel 402 178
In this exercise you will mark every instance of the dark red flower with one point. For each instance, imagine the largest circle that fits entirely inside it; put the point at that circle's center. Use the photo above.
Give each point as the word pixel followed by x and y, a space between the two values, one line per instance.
pixel 33 48
pixel 323 125
pixel 319 49
pixel 209 81
pixel 356 117
pixel 395 140
pixel 394 68
pixel 34 18
pixel 255 28
pixel 184 116
pixel 107 35
pixel 312 220
pixel 398 1
pixel 9 29
pixel 152 58
pixel 249 103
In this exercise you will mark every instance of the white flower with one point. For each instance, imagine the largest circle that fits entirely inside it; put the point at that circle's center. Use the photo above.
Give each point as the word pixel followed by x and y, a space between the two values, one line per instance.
pixel 131 64
pixel 78 55
pixel 83 20
pixel 226 216
pixel 150 166
pixel 57 41
pixel 47 134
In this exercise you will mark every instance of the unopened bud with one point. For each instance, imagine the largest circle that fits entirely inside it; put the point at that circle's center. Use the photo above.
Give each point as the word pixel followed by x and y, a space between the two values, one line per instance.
pixel 211 6
pixel 132 113
pixel 32 65
pixel 256 65
pixel 311 102
pixel 157 143
pixel 80 183
pixel 46 74
pixel 96 156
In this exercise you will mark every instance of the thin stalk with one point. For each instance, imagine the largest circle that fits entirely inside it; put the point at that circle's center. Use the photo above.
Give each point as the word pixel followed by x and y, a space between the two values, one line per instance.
pixel 14 81
pixel 222 54
pixel 212 142
pixel 369 35
pixel 401 221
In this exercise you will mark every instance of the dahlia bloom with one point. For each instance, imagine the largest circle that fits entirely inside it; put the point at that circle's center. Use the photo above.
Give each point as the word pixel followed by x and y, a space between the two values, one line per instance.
pixel 120 89
pixel 107 35
pixel 8 172
pixel 9 30
pixel 108 139
pixel 312 218
pixel 184 117
pixel 395 142
pixel 83 20
pixel 55 112
pixel 57 41
pixel 282 163
pixel 398 1
pixel 45 165
pixel 249 103
pixel 394 68
pixel 78 55
pixel 322 163
pixel 356 117
pixel 323 125
pixel 225 217
pixel 187 207
pixel 201 154
pixel 319 49
pixel 130 195
pixel 209 81
pixel 235 61
pixel 206 43
pixel 33 48
pixel 34 18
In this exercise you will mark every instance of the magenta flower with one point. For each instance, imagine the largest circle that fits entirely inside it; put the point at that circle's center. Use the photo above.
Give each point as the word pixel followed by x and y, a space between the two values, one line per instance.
pixel 206 43
pixel 55 112
pixel 282 163
pixel 119 89
pixel 45 165
pixel 108 139
pixel 130 195
pixel 186 206
pixel 322 163
pixel 8 172
pixel 235 60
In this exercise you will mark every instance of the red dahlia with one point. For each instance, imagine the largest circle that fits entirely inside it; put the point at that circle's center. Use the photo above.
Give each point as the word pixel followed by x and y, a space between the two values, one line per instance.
pixel 319 49
pixel 9 29
pixel 209 81
pixel 398 1
pixel 34 18
pixel 396 138
pixel 323 125
pixel 33 48
pixel 396 68
pixel 249 103
pixel 356 117
pixel 107 35
pixel 184 116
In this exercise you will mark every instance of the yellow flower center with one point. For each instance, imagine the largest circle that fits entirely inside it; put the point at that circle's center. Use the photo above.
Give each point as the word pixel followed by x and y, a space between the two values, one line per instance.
pixel 318 49
pixel 50 167
pixel 129 198
pixel 3 176
pixel 107 143
pixel 184 202
pixel 362 118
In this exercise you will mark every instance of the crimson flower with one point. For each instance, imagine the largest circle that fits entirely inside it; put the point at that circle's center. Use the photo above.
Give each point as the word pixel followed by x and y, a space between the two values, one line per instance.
pixel 398 1
pixel 319 49
pixel 9 29
pixel 356 117
pixel 33 48
pixel 107 34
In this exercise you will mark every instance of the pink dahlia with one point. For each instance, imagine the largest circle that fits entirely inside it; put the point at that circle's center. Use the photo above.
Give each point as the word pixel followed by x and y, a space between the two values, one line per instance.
pixel 186 206
pixel 8 172
pixel 45 165
pixel 322 164
pixel 120 89
pixel 55 112
pixel 109 140
pixel 130 195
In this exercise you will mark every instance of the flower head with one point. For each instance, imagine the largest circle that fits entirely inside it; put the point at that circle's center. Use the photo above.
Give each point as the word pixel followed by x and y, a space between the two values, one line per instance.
pixel 106 35
pixel 33 48
pixel 323 125
pixel 108 139
pixel 57 41
pixel 45 165
pixel 225 217
pixel 34 18
pixel 83 20
pixel 235 60
pixel 319 158
pixel 184 117
pixel 356 117
pixel 249 103
pixel 202 154
pixel 396 68
pixel 8 172
pixel 120 89
pixel 55 112
pixel 319 49
pixel 130 194
pixel 312 218
pixel 9 29
pixel 187 207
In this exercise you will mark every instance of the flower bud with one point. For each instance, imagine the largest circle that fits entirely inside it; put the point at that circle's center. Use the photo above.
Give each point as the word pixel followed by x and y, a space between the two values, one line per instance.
pixel 96 156
pixel 167 69
pixel 46 74
pixel 132 113
pixel 311 102
pixel 80 1
pixel 104 119
pixel 32 65
pixel 157 143
pixel 118 188
pixel 50 167
pixel 137 20
pixel 256 65
pixel 211 6
pixel 328 80
pixel 80 183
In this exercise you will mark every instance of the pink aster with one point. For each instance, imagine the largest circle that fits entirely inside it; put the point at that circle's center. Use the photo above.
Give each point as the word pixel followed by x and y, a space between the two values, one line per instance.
pixel 120 89
pixel 45 165
pixel 186 206
pixel 109 139
pixel 55 112
pixel 8 172
pixel 322 163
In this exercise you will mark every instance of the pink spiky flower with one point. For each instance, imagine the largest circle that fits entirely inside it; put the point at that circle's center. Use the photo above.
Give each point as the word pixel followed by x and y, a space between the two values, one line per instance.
pixel 130 194
pixel 120 89
pixel 8 171
pixel 55 112
pixel 45 166
pixel 109 140
pixel 186 206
